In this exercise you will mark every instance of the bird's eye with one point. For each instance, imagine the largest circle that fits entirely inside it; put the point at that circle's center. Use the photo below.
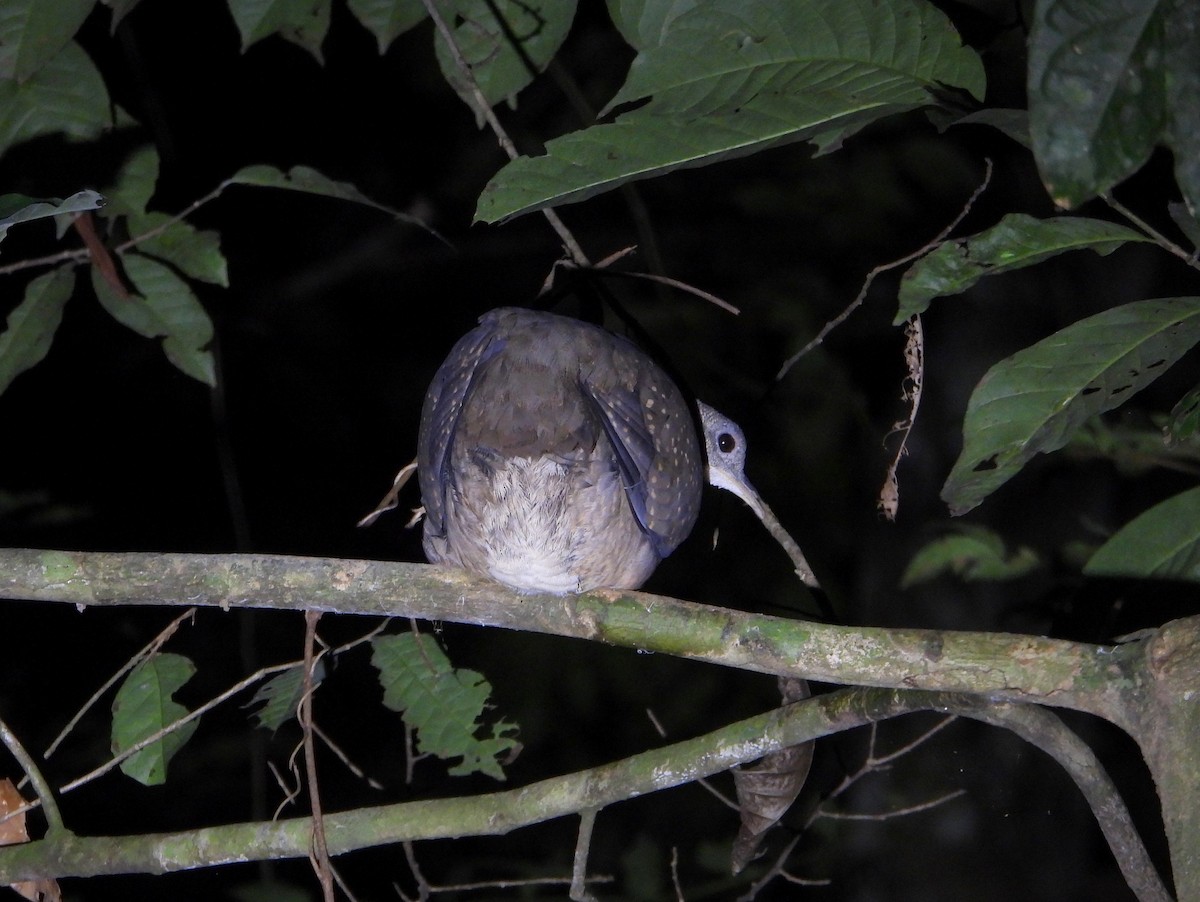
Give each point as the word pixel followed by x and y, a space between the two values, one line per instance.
pixel 726 442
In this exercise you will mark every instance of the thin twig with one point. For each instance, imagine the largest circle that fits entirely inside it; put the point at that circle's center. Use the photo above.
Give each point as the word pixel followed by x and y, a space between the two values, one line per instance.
pixel 914 359
pixel 506 143
pixel 44 793
pixel 319 853
pixel 675 874
pixel 676 284
pixel 879 761
pixel 777 869
pixel 342 884
pixel 424 890
pixel 1158 237
pixel 344 758
pixel 884 267
pixel 75 255
pixel 291 791
pixel 895 812
pixel 583 843
pixel 513 883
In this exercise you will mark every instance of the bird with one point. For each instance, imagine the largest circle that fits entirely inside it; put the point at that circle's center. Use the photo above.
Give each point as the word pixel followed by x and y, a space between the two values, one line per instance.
pixel 556 456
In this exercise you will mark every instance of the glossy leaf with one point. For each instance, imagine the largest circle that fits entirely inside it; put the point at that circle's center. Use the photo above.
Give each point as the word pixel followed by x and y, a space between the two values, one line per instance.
pixel 971 553
pixel 387 19
pixel 1016 242
pixel 731 77
pixel 303 22
pixel 15 208
pixel 1162 543
pixel 721 54
pixel 31 325
pixel 143 707
pixel 1035 400
pixel 163 307
pixel 33 32
pixel 66 95
pixel 501 70
pixel 444 705
pixel 1109 79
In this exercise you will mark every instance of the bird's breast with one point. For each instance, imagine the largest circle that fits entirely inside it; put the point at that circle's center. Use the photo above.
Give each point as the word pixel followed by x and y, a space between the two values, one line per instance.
pixel 543 524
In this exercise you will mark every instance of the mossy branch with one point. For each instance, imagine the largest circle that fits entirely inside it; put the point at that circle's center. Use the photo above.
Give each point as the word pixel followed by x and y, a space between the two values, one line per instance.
pixel 1002 666
pixel 1139 686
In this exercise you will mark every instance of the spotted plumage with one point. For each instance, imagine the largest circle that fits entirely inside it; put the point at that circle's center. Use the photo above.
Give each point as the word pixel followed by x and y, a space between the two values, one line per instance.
pixel 555 456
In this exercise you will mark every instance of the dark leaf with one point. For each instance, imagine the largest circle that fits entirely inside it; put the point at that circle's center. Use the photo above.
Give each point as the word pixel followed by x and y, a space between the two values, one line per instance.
pixel 767 788
pixel 1035 400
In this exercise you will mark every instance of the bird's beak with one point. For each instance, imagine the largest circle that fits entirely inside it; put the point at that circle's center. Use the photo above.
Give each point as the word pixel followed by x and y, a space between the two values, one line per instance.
pixel 742 488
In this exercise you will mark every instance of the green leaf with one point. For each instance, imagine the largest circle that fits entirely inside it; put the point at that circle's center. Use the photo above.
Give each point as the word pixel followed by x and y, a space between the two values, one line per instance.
pixel 972 553
pixel 66 95
pixel 721 54
pixel 643 23
pixel 31 326
pixel 1162 543
pixel 1014 123
pixel 1108 79
pixel 32 32
pixel 143 707
pixel 732 77
pixel 194 253
pixel 1015 242
pixel 135 183
pixel 487 44
pixel 1183 425
pixel 300 178
pixel 303 22
pixel 309 181
pixel 164 307
pixel 280 695
pixel 1187 222
pixel 1035 400
pixel 16 208
pixel 444 705
pixel 1133 447
pixel 387 19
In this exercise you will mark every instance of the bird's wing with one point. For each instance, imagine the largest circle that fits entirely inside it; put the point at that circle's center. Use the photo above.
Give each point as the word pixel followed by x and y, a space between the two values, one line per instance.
pixel 657 456
pixel 440 414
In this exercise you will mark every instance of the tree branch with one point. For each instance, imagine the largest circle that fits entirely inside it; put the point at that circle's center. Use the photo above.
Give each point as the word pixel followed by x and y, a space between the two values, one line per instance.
pixel 991 667
pixel 1002 666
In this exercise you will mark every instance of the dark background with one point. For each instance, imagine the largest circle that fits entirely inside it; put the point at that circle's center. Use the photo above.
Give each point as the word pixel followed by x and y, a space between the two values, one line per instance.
pixel 337 318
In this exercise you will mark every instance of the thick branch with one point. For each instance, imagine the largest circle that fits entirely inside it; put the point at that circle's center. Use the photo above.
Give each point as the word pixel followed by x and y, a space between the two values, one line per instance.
pixel 489 814
pixel 995 666
pixel 1002 666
